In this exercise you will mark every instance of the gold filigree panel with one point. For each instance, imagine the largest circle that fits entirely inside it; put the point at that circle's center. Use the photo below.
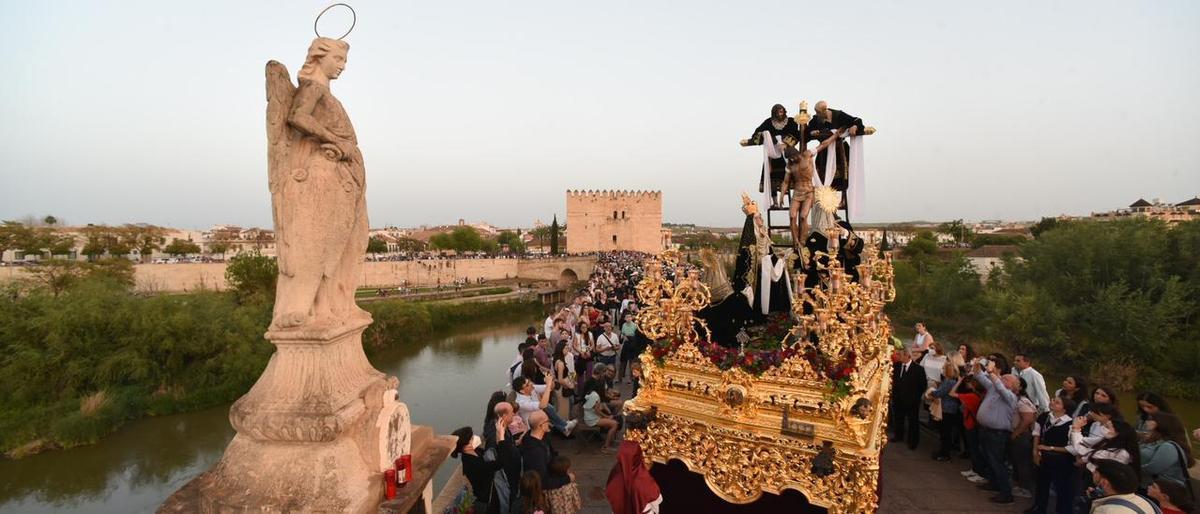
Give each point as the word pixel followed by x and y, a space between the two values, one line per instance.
pixel 739 466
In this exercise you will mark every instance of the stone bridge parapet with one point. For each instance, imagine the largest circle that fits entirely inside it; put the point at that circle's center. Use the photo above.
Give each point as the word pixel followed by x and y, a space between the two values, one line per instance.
pixel 184 277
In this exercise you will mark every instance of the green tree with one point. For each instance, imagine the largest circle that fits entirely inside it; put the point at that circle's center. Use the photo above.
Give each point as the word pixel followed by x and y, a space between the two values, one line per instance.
pixel 50 220
pixel 252 275
pixel 8 232
pixel 461 239
pixel 513 240
pixel 996 239
pixel 181 247
pixel 698 240
pixel 376 245
pixel 114 271
pixel 554 236
pixel 15 235
pixel 1046 224
pixel 408 244
pixel 57 276
pixel 958 230
pixel 34 241
pixel 142 237
pixel 218 248
pixel 928 288
pixel 101 239
pixel 58 243
pixel 921 250
pixel 1082 294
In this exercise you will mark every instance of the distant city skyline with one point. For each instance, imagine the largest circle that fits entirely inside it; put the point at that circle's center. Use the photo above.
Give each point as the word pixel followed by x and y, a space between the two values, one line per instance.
pixel 125 112
pixel 562 221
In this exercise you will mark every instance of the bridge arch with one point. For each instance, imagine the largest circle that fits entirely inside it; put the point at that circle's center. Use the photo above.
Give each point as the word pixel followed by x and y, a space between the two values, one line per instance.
pixel 567 277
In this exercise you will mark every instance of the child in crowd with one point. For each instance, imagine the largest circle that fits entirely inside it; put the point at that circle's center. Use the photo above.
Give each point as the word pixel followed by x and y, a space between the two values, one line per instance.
pixel 1172 497
pixel 969 397
pixel 562 493
pixel 533 499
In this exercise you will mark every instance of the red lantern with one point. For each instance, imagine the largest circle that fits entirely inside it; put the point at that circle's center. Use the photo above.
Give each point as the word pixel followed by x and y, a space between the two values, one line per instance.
pixel 403 470
pixel 389 480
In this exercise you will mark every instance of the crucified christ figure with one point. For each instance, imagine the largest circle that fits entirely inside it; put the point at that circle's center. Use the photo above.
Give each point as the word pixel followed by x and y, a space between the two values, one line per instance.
pixel 800 178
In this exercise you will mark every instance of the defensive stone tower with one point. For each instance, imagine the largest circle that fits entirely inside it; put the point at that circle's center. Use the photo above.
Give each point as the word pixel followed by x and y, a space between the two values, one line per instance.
pixel 615 220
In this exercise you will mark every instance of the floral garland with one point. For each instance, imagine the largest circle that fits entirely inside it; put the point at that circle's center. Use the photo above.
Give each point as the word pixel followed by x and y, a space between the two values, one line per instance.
pixel 764 352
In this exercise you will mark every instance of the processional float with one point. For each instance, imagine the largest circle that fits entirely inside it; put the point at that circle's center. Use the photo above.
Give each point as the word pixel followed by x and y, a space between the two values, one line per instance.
pixel 797 399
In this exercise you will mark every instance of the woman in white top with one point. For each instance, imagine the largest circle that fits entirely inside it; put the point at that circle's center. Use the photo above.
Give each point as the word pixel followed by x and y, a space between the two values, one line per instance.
pixel 923 338
pixel 1119 444
pixel 933 362
pixel 597 414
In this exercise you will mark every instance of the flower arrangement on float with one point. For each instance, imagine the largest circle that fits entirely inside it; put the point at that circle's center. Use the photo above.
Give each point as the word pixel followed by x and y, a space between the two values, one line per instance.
pixel 763 352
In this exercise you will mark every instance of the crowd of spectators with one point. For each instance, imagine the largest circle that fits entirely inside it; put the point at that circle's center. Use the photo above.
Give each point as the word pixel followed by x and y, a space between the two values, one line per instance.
pixel 560 384
pixel 444 255
pixel 1072 450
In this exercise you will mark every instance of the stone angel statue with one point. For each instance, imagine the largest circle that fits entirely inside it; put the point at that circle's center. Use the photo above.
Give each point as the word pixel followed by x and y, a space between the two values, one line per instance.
pixel 317 182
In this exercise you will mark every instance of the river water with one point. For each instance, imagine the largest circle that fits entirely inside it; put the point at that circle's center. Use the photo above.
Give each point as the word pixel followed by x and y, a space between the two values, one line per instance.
pixel 446 384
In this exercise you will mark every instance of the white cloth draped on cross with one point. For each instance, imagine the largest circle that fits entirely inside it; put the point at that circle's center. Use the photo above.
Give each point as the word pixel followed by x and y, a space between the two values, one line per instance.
pixel 856 192
pixel 770 151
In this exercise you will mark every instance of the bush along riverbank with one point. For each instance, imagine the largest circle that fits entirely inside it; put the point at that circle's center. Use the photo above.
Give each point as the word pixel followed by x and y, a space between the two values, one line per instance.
pixel 79 359
pixel 1119 300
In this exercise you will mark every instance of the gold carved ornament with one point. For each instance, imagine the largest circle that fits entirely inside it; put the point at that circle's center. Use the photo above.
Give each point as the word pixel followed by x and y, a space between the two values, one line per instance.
pixel 671 306
pixel 725 424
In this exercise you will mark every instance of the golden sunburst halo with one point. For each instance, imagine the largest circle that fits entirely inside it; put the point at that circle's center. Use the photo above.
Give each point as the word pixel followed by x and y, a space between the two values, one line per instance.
pixel 827 198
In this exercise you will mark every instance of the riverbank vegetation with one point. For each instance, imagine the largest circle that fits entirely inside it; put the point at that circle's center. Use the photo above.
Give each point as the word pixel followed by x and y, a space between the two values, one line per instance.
pixel 1112 299
pixel 81 353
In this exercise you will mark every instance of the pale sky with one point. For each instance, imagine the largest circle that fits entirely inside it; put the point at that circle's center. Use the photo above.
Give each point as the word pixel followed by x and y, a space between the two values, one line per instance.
pixel 153 111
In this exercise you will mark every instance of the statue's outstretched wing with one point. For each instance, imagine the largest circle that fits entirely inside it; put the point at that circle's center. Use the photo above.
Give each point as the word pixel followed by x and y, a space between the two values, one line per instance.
pixel 280 137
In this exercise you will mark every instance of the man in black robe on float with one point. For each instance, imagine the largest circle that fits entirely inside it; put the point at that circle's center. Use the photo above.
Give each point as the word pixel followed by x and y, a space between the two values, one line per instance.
pixel 780 126
pixel 825 123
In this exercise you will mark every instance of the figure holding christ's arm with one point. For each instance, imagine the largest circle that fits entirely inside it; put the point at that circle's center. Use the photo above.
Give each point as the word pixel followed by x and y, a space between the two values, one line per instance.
pixel 800 178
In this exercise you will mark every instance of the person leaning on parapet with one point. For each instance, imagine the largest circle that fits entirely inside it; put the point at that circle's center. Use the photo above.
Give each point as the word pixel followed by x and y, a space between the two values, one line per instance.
pixel 780 126
pixel 826 122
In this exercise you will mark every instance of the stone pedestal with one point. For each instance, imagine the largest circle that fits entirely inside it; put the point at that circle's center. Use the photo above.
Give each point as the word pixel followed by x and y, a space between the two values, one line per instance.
pixel 315 433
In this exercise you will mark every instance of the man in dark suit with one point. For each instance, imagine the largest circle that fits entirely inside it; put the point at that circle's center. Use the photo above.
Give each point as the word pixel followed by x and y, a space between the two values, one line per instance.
pixel 908 386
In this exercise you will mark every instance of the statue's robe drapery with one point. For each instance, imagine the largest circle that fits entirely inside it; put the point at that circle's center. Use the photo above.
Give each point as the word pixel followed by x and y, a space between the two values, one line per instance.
pixel 319 205
pixel 728 315
pixel 818 129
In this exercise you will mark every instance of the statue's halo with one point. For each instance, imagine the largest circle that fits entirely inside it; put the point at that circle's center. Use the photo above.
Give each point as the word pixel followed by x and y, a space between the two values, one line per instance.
pixel 353 19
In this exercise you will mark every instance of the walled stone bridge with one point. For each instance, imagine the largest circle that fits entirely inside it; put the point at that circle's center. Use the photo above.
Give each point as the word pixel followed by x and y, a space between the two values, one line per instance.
pixel 174 278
